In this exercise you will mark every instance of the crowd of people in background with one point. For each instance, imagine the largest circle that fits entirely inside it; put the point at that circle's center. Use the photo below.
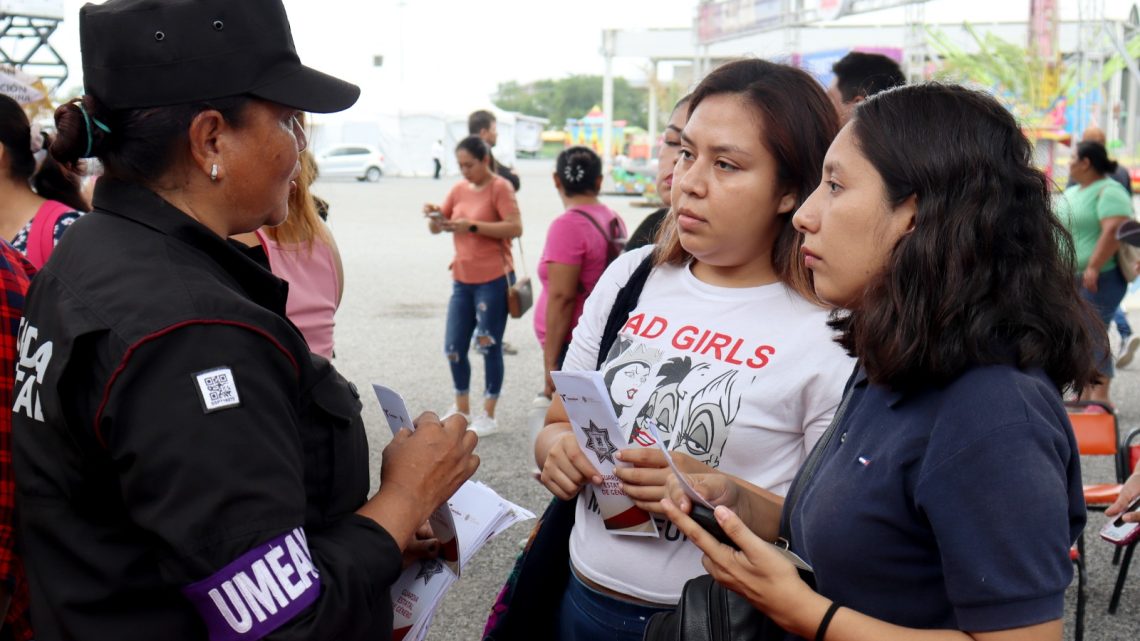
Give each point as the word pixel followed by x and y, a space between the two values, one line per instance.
pixel 816 322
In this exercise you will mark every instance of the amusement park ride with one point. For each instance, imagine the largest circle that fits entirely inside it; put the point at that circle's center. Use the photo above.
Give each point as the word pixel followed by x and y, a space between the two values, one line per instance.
pixel 25 29
pixel 1101 85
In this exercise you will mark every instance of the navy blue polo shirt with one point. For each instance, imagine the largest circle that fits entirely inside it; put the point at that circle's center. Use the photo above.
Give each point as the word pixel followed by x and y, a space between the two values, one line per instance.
pixel 948 508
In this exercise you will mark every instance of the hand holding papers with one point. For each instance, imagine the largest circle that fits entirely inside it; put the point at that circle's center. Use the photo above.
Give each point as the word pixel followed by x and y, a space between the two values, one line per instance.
pixel 468 520
pixel 596 429
pixel 681 478
pixel 442 525
pixel 479 515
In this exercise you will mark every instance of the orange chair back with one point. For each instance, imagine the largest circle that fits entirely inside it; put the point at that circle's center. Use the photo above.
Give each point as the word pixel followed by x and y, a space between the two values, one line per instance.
pixel 1096 433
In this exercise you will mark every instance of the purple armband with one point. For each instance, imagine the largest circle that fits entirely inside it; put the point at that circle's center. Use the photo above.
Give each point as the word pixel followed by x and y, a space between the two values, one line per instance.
pixel 260 591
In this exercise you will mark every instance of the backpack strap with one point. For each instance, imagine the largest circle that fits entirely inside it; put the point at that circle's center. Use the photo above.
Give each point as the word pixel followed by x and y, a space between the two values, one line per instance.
pixel 609 241
pixel 596 225
pixel 624 303
pixel 41 237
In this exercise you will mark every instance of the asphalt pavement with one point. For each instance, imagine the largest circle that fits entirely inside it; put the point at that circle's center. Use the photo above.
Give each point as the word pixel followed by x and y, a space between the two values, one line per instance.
pixel 390 330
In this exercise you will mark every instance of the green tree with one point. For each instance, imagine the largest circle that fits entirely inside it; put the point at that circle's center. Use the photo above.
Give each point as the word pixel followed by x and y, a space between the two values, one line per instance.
pixel 1019 77
pixel 572 97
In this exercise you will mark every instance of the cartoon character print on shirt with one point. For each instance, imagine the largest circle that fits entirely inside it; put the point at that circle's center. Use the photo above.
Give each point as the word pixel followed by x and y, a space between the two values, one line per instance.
pixel 692 403
pixel 625 373
pixel 707 403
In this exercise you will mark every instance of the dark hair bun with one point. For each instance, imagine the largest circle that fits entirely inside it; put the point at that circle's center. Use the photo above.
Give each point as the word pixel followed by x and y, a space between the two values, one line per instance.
pixel 77 134
pixel 579 169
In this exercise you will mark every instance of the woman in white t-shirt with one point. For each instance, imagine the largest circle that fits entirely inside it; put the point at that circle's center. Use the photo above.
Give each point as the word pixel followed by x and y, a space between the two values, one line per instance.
pixel 726 351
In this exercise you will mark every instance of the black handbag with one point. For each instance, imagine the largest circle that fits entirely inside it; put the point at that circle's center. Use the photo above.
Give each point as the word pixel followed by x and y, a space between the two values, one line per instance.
pixel 708 611
pixel 527 606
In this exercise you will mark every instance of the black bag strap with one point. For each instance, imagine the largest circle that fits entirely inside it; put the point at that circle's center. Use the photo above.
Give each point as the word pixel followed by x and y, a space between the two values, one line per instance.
pixel 624 303
pixel 596 225
pixel 811 465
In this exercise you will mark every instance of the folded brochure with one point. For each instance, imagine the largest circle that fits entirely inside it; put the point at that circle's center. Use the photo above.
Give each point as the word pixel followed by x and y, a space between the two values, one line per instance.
pixel 474 515
pixel 596 428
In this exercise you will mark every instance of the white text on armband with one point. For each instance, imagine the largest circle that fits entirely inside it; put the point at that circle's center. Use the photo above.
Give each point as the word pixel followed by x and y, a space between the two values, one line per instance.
pixel 30 372
pixel 260 591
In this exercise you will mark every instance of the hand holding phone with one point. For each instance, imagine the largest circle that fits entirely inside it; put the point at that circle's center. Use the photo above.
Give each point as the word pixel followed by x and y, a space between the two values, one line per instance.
pixel 707 520
pixel 1118 531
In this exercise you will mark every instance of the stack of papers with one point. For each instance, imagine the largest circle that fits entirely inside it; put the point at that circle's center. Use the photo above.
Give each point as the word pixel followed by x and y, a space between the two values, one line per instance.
pixel 480 515
pixel 474 515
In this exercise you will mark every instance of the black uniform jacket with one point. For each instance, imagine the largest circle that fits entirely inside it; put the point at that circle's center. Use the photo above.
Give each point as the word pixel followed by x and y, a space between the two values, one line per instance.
pixel 186 469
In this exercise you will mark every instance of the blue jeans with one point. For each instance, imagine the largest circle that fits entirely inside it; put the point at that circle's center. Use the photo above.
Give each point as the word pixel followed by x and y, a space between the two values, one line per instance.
pixel 1110 288
pixel 478 311
pixel 1122 326
pixel 589 615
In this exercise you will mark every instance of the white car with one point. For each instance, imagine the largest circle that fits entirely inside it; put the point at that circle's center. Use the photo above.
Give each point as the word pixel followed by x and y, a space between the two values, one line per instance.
pixel 362 162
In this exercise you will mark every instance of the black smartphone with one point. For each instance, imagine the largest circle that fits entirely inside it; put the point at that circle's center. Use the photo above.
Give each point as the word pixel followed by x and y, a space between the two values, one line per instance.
pixel 707 520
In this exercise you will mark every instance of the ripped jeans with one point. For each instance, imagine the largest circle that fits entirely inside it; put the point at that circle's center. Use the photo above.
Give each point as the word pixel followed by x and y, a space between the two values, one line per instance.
pixel 479 311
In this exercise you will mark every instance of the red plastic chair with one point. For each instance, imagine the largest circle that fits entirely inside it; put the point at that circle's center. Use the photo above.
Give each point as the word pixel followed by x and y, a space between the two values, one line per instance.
pixel 1098 434
pixel 1130 454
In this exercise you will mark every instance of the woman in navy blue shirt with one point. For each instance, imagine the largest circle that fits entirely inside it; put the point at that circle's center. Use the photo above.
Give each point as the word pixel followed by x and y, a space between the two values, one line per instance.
pixel 943 501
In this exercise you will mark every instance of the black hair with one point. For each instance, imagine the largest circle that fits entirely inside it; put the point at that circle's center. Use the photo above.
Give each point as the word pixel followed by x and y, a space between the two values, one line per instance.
pixel 865 74
pixel 475 146
pixel 51 181
pixel 578 169
pixel 1097 156
pixel 479 120
pixel 141 144
pixel 682 102
pixel 56 182
pixel 16 136
pixel 986 274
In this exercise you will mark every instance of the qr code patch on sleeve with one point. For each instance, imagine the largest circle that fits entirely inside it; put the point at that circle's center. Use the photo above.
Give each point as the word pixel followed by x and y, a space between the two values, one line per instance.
pixel 217 389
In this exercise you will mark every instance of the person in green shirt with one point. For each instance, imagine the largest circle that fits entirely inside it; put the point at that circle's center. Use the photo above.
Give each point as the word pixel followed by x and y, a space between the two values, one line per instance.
pixel 1092 209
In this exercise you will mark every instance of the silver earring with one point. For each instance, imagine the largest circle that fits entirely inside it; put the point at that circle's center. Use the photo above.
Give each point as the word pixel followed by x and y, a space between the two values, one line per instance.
pixel 214 173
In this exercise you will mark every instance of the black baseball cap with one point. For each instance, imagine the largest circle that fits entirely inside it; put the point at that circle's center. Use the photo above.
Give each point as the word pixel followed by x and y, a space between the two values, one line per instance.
pixel 154 53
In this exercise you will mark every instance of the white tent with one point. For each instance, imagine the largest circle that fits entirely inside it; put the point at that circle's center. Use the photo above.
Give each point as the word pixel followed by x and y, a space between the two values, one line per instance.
pixel 406 139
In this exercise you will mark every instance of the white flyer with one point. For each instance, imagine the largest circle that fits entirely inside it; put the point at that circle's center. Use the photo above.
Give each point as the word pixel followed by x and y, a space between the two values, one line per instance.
pixel 394 408
pixel 681 478
pixel 415 597
pixel 481 514
pixel 596 428
pixel 442 523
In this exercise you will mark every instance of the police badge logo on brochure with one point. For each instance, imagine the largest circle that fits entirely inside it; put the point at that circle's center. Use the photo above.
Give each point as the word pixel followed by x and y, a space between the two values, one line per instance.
pixel 596 428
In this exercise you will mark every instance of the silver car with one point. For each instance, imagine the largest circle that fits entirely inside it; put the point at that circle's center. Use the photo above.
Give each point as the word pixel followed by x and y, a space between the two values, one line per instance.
pixel 362 162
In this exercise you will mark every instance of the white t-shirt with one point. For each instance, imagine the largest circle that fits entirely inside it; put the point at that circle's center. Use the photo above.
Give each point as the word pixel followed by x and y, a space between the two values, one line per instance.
pixel 745 380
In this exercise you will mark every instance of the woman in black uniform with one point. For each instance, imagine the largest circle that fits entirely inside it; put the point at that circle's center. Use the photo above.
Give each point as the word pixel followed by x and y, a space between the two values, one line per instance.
pixel 186 468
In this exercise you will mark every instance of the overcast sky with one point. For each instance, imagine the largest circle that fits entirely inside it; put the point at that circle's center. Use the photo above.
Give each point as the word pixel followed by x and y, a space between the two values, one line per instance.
pixel 455 52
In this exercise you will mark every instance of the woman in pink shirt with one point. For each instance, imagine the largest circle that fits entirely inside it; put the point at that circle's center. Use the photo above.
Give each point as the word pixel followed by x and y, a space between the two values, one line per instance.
pixel 579 245
pixel 38 200
pixel 482 214
pixel 302 252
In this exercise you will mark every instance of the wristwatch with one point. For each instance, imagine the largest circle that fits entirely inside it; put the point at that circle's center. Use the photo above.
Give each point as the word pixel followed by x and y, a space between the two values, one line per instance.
pixel 473 228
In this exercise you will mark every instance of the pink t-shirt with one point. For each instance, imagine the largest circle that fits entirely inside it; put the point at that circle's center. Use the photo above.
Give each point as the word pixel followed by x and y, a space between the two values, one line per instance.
pixel 478 258
pixel 573 240
pixel 314 289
